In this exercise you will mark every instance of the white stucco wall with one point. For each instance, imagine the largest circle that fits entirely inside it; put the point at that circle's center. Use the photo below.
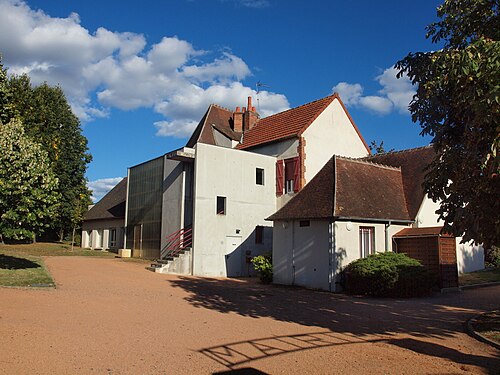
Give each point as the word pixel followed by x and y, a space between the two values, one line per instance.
pixel 284 149
pixel 347 246
pixel 331 133
pixel 301 254
pixel 102 227
pixel 230 173
pixel 470 257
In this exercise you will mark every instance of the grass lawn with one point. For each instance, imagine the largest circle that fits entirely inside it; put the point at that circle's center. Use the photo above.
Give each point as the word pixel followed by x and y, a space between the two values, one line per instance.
pixel 23 271
pixel 22 265
pixel 479 277
pixel 51 249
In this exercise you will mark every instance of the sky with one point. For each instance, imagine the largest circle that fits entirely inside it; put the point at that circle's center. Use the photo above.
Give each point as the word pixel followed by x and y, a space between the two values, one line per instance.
pixel 141 74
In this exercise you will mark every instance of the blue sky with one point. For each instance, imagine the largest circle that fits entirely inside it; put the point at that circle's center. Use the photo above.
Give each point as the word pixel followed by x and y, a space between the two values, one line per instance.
pixel 140 75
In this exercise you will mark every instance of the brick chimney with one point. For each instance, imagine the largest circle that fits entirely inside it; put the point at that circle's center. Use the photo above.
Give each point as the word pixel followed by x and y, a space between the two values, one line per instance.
pixel 250 117
pixel 238 120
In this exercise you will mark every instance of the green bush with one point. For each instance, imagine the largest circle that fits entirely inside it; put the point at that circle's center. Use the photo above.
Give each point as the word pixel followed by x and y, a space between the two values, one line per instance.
pixel 264 266
pixel 388 275
pixel 494 258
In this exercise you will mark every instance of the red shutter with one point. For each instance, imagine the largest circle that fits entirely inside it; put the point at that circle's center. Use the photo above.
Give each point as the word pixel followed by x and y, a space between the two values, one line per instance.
pixel 296 174
pixel 279 177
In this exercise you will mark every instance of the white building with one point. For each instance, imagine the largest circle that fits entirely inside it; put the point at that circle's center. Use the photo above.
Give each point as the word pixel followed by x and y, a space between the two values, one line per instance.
pixel 202 209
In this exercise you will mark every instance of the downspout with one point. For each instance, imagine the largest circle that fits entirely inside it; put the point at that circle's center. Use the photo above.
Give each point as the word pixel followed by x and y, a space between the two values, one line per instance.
pixel 332 261
pixel 332 248
pixel 387 226
pixel 125 224
pixel 293 252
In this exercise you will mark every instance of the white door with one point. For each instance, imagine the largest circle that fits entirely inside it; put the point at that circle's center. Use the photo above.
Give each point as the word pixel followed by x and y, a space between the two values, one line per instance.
pixel 233 256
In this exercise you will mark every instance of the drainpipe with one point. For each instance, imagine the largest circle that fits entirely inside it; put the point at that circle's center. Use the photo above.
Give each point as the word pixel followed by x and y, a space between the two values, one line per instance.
pixel 387 226
pixel 293 252
pixel 332 262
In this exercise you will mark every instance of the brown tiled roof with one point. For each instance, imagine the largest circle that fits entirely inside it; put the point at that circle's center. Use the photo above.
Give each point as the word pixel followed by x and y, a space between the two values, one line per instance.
pixel 218 117
pixel 290 123
pixel 417 232
pixel 349 188
pixel 314 201
pixel 413 163
pixel 111 206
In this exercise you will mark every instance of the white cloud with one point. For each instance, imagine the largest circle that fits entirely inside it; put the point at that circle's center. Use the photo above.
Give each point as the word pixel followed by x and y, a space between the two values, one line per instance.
pixel 102 186
pixel 395 94
pixel 103 69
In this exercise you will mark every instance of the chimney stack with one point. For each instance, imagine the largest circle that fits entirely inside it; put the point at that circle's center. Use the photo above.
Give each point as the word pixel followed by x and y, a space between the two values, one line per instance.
pixel 250 117
pixel 238 120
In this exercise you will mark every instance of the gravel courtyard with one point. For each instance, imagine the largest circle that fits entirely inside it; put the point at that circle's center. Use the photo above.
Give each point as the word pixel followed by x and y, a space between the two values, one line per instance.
pixel 108 316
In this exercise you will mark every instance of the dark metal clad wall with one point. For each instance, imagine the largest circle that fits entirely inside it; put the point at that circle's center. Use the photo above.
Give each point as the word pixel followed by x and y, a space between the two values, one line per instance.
pixel 144 208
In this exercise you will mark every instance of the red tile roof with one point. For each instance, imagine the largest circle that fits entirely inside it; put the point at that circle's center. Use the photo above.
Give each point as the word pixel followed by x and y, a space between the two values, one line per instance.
pixel 290 123
pixel 413 163
pixel 349 188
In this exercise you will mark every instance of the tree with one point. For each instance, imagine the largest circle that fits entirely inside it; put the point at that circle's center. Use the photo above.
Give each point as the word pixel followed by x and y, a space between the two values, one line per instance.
pixel 457 103
pixel 47 117
pixel 28 187
pixel 378 148
pixel 6 106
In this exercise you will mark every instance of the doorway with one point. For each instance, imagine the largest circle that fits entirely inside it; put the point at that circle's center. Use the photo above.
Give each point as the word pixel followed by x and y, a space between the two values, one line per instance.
pixel 233 256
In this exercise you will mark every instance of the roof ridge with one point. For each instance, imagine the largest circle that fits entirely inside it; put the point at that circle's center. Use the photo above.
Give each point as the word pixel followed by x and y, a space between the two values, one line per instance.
pixel 398 151
pixel 302 105
pixel 363 161
pixel 221 107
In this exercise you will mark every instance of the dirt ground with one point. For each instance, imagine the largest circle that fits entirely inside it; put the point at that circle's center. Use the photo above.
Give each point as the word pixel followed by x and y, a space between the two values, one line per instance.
pixel 107 316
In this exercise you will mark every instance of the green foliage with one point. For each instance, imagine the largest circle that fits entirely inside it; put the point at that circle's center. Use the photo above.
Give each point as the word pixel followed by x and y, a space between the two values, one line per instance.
pixel 388 274
pixel 263 264
pixel 457 103
pixel 6 107
pixel 378 148
pixel 47 117
pixel 28 187
pixel 494 259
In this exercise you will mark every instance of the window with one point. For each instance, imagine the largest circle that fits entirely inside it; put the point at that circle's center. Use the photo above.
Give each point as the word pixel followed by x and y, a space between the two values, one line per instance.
pixel 221 206
pixel 112 237
pixel 259 234
pixel 288 176
pixel 259 176
pixel 366 241
pixel 304 223
pixel 89 233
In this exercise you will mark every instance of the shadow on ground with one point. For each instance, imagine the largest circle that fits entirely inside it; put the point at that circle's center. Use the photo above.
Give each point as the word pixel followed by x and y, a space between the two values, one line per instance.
pixel 348 320
pixel 8 262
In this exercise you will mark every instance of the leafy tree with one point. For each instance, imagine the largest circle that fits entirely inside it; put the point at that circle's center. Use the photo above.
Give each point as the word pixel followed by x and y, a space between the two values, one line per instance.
pixel 28 187
pixel 6 107
pixel 378 148
pixel 457 103
pixel 48 118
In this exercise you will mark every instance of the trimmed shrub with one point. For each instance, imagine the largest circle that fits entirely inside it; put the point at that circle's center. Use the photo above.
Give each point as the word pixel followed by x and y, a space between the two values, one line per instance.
pixel 388 275
pixel 264 266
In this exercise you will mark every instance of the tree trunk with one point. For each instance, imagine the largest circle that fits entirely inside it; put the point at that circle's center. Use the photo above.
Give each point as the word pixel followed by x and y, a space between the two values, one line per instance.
pixel 61 235
pixel 73 238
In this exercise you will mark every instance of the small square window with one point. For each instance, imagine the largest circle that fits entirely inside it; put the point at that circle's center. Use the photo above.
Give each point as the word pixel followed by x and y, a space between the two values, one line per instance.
pixel 259 234
pixel 259 176
pixel 304 223
pixel 221 205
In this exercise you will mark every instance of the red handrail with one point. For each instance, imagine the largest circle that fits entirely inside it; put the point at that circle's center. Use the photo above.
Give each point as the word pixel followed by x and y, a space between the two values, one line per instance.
pixel 176 242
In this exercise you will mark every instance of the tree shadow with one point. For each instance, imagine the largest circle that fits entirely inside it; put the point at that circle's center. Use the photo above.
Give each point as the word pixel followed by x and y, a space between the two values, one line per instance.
pixel 8 262
pixel 436 317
